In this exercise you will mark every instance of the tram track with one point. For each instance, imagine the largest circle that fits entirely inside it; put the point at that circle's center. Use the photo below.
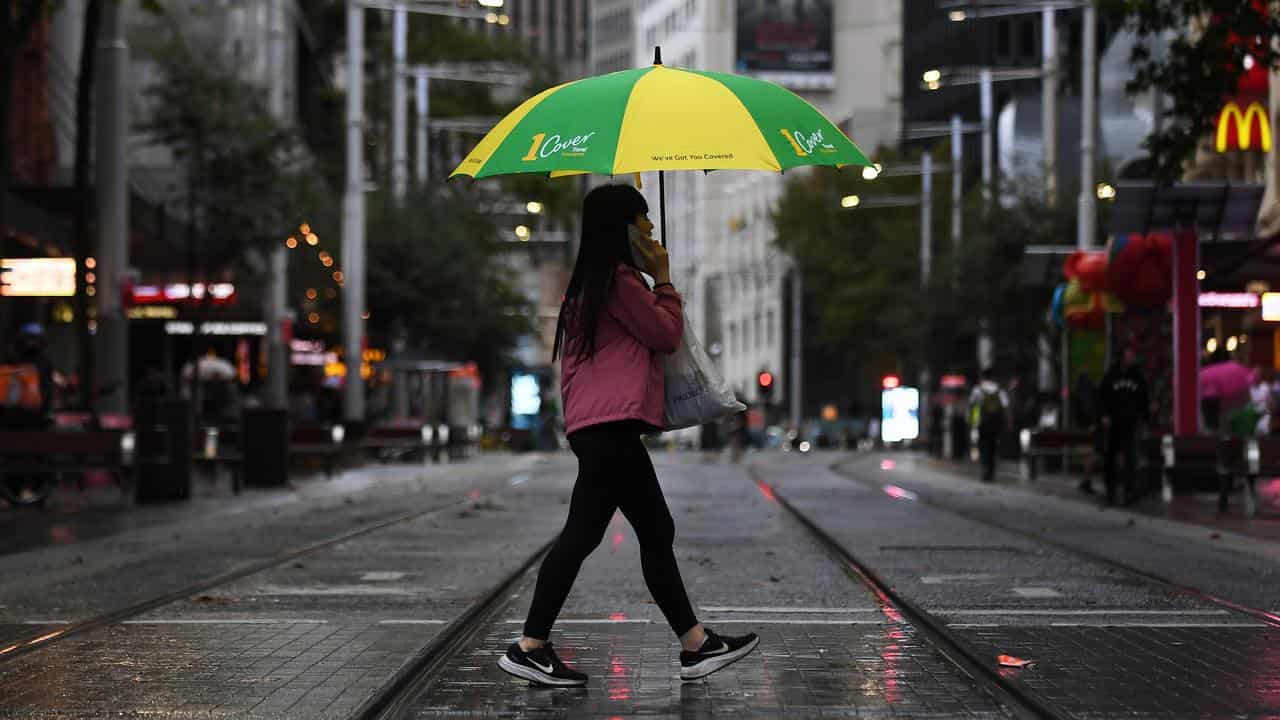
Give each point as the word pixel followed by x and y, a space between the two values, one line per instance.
pixel 1010 694
pixel 403 687
pixel 45 637
pixel 1259 614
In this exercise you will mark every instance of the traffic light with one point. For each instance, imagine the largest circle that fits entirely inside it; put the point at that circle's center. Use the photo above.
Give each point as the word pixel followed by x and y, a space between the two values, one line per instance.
pixel 764 384
pixel 890 382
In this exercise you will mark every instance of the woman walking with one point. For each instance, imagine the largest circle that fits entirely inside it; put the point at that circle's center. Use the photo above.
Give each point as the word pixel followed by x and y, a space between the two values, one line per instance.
pixel 611 335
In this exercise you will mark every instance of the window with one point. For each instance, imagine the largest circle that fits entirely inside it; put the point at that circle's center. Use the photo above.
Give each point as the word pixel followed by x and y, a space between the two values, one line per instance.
pixel 758 333
pixel 1004 40
pixel 769 329
pixel 733 337
pixel 1027 40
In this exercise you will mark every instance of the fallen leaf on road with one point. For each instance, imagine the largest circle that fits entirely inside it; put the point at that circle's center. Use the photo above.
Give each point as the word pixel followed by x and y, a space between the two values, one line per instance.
pixel 1013 662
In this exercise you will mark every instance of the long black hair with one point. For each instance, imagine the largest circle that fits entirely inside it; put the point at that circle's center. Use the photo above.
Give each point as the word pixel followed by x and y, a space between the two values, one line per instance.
pixel 606 213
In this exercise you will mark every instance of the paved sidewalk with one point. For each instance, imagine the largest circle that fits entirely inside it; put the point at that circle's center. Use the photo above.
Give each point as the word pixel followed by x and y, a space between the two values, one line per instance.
pixel 101 510
pixel 1197 509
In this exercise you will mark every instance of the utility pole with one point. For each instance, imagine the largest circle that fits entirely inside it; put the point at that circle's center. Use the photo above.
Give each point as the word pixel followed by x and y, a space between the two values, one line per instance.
pixel 277 385
pixel 1049 104
pixel 423 107
pixel 988 145
pixel 353 230
pixel 1086 221
pixel 926 216
pixel 957 184
pixel 399 100
pixel 399 183
pixel 111 181
pixel 797 337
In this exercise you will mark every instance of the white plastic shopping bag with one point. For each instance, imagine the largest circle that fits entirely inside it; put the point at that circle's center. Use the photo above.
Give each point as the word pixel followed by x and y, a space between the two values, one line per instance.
pixel 696 391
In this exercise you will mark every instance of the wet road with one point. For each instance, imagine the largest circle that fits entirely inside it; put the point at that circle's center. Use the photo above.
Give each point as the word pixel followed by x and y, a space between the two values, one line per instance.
pixel 999 570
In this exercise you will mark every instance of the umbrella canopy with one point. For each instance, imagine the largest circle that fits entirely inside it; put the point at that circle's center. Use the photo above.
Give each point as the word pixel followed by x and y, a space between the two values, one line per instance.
pixel 660 118
pixel 1225 380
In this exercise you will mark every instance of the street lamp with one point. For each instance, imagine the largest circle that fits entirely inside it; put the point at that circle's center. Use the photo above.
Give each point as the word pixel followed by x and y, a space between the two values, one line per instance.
pixel 534 207
pixel 963 9
pixel 850 201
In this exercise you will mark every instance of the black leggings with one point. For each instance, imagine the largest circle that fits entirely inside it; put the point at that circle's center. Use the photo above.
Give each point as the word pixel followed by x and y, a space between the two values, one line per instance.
pixel 614 473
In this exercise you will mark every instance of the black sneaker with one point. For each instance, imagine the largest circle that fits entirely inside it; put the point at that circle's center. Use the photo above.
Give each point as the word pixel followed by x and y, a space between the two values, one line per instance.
pixel 540 666
pixel 716 652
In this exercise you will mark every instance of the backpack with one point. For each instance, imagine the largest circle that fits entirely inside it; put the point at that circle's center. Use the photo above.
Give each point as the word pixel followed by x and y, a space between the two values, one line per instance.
pixel 990 409
pixel 20 387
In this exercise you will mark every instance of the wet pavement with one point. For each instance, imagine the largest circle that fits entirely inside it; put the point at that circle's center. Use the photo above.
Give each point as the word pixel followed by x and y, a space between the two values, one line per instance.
pixel 1195 509
pixel 828 647
pixel 312 637
pixel 1001 569
pixel 1009 572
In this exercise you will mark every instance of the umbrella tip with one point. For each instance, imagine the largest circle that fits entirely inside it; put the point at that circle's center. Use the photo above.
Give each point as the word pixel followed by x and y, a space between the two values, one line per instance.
pixel 657 54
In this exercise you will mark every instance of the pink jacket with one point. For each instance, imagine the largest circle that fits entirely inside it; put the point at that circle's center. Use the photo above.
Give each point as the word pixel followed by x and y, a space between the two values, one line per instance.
pixel 623 379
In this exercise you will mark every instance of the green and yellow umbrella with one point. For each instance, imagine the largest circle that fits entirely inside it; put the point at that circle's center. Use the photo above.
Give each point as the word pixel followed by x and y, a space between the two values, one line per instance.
pixel 656 119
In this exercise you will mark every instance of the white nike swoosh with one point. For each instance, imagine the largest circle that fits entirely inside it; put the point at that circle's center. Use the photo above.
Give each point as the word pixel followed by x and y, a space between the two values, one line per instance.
pixel 724 648
pixel 544 668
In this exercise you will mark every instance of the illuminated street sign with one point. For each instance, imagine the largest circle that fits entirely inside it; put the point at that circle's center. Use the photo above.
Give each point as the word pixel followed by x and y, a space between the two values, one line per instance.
pixel 39 277
pixel 899 414
pixel 1234 300
pixel 1271 306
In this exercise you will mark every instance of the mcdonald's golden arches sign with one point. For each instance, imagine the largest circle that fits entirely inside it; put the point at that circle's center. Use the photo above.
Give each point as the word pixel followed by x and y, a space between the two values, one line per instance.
pixel 1237 128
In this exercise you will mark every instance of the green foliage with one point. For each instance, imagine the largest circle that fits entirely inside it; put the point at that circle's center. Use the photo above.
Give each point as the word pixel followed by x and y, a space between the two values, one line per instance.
pixel 861 270
pixel 860 265
pixel 249 178
pixel 436 271
pixel 1200 67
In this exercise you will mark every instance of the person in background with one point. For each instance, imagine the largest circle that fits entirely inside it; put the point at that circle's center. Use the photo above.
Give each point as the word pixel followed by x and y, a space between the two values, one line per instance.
pixel 989 410
pixel 1260 389
pixel 1125 404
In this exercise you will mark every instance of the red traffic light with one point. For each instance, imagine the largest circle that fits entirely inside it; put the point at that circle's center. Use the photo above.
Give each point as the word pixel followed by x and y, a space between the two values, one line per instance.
pixel 890 382
pixel 765 379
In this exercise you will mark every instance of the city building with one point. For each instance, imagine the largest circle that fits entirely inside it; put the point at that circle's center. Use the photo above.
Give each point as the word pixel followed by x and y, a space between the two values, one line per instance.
pixel 611 28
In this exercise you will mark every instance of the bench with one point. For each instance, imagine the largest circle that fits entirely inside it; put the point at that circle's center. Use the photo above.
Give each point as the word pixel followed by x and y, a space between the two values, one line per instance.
pixel 398 439
pixel 1037 444
pixel 1256 457
pixel 47 451
pixel 1194 462
pixel 323 441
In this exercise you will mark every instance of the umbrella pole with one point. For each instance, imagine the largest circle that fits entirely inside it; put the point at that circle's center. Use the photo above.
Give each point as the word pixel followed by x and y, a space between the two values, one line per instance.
pixel 662 204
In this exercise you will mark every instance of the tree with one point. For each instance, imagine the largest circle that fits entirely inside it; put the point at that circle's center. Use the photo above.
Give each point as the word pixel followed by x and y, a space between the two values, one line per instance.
pixel 1210 45
pixel 439 277
pixel 249 179
pixel 861 270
